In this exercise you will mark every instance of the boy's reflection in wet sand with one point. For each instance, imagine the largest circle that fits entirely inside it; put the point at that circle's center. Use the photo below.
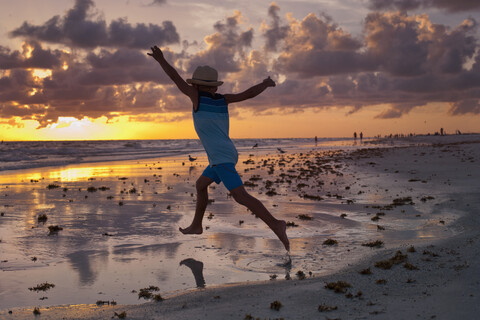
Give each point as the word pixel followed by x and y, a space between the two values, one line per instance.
pixel 197 270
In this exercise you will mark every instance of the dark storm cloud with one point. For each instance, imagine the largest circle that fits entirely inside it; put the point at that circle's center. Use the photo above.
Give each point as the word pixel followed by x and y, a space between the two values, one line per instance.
pixel 81 28
pixel 448 5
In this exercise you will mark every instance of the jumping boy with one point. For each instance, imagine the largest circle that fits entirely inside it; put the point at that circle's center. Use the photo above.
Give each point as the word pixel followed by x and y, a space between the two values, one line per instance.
pixel 211 121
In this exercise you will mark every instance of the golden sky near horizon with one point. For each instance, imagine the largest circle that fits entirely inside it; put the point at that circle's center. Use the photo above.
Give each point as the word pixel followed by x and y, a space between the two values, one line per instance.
pixel 78 69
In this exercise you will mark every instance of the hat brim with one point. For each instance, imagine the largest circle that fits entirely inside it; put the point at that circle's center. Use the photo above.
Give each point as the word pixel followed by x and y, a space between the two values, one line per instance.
pixel 205 83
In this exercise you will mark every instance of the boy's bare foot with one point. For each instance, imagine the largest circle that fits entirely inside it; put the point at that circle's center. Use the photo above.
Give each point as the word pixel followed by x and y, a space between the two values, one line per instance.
pixel 281 232
pixel 191 230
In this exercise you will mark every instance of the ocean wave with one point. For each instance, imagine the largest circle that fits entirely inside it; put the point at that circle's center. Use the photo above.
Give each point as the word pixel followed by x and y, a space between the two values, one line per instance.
pixel 16 155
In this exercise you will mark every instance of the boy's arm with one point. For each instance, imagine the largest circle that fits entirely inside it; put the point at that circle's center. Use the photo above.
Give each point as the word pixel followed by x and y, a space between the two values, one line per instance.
pixel 251 92
pixel 157 54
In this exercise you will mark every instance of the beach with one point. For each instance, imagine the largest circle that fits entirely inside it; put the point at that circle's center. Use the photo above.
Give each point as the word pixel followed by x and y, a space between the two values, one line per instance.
pixel 384 229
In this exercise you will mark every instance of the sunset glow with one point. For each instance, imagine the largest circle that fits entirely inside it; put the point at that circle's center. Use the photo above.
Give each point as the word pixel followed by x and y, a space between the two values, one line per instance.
pixel 370 66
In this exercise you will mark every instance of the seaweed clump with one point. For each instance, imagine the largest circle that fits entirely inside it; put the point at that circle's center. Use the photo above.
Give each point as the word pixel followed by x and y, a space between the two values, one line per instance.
pixel 304 217
pixel 398 258
pixel 410 266
pixel 373 244
pixel 54 229
pixel 146 293
pixel 42 287
pixel 365 271
pixel 291 224
pixel 330 242
pixel 323 308
pixel 276 305
pixel 121 315
pixel 301 275
pixel 338 287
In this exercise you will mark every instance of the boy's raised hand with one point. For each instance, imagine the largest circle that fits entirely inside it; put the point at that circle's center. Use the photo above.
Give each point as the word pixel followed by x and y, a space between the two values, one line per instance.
pixel 269 82
pixel 156 53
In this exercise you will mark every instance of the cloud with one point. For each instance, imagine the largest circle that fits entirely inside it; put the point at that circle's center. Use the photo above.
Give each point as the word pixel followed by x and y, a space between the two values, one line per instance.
pixel 448 5
pixel 226 47
pixel 158 2
pixel 465 107
pixel 274 32
pixel 82 28
pixel 400 60
pixel 397 110
pixel 32 56
pixel 317 47
pixel 12 123
pixel 106 83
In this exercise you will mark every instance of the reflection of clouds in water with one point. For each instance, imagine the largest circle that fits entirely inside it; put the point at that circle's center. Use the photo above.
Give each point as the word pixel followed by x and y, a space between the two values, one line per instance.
pixel 87 264
pixel 169 249
pixel 231 241
pixel 163 256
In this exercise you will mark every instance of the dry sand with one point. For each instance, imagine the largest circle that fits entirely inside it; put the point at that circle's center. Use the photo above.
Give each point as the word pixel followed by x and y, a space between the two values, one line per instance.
pixel 437 278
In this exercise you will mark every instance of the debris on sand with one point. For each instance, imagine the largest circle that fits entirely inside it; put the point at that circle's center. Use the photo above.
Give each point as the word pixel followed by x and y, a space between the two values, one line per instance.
pixel 301 275
pixel 291 224
pixel 338 287
pixel 54 229
pixel 410 266
pixel 42 287
pixel 373 244
pixel 304 217
pixel 365 271
pixel 276 305
pixel 388 264
pixel 146 293
pixel 121 315
pixel 330 242
pixel 325 308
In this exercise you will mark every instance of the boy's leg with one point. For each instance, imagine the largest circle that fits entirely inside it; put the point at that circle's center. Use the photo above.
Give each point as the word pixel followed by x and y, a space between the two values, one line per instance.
pixel 279 227
pixel 202 200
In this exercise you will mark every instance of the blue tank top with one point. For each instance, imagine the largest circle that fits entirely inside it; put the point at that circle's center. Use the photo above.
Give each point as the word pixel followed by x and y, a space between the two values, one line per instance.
pixel 211 121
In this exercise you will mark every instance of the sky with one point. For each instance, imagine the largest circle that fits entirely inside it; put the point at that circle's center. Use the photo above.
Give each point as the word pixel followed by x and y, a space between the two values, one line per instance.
pixel 79 69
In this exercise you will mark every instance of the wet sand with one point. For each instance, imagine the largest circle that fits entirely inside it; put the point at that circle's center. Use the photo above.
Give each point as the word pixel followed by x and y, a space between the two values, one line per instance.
pixel 420 196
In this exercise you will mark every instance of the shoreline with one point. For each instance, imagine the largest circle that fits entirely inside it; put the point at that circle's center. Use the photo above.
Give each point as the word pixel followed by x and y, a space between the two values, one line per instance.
pixel 446 286
pixel 300 303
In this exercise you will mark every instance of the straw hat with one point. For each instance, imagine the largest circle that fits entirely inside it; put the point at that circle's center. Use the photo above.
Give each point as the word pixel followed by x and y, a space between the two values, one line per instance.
pixel 205 76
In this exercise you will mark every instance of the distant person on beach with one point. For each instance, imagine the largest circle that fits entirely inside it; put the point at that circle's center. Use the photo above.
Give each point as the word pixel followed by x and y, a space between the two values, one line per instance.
pixel 355 135
pixel 361 135
pixel 211 122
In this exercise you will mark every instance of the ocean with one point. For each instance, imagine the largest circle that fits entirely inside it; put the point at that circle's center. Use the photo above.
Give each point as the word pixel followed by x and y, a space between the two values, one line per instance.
pixel 16 155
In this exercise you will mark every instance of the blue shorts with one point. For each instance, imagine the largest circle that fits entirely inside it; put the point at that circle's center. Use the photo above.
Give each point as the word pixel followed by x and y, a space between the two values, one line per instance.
pixel 224 172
